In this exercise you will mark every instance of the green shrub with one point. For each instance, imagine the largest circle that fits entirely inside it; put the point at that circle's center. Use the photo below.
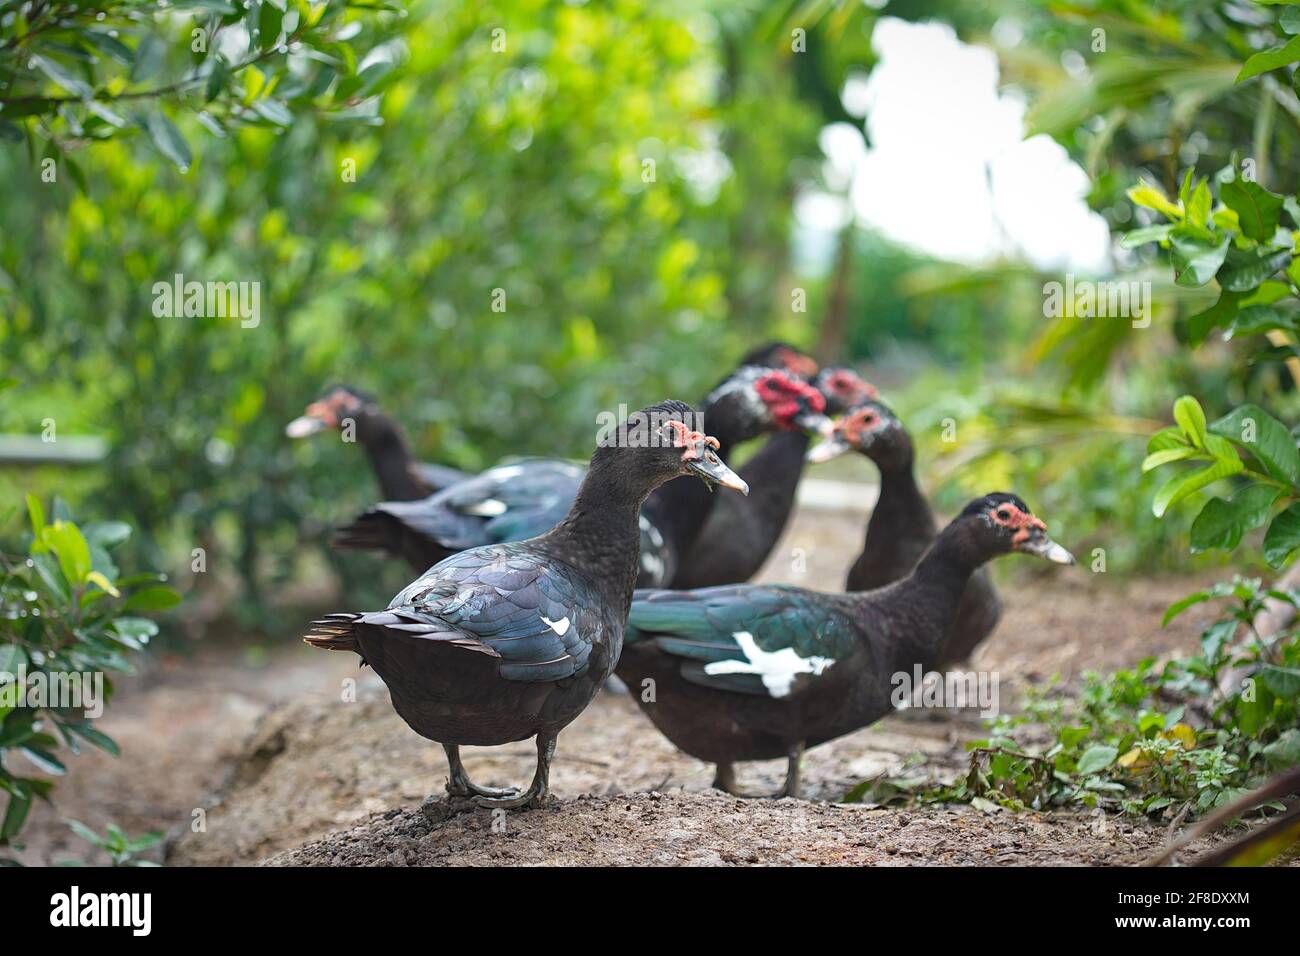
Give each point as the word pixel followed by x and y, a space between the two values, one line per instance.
pixel 68 618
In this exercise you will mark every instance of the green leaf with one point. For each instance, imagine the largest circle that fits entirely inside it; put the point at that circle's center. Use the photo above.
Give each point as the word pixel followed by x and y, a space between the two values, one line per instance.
pixel 1196 259
pixel 1198 205
pixel 1285 751
pixel 268 25
pixel 1140 237
pixel 1180 486
pixel 1283 681
pixel 1153 197
pixel 217 79
pixel 15 815
pixel 1218 315
pixel 1257 209
pixel 62 77
pixel 169 141
pixel 1289 20
pixel 43 759
pixel 156 598
pixel 1221 522
pixel 99 739
pixel 1252 271
pixel 149 55
pixel 274 111
pixel 111 46
pixel 66 541
pixel 1166 439
pixel 1158 458
pixel 1191 419
pixel 12 658
pixel 1257 319
pixel 1270 59
pixel 36 514
pixel 1269 440
pixel 1096 758
pixel 1282 536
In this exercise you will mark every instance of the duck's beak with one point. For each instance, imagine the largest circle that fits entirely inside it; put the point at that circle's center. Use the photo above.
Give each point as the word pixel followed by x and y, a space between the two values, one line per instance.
pixel 714 471
pixel 828 449
pixel 815 423
pixel 304 425
pixel 1040 545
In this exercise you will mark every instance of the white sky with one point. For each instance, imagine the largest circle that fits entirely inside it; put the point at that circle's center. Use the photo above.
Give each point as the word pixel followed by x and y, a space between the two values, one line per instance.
pixel 949 171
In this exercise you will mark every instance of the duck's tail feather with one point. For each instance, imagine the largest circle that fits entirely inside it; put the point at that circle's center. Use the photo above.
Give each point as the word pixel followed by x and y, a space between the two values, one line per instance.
pixel 335 632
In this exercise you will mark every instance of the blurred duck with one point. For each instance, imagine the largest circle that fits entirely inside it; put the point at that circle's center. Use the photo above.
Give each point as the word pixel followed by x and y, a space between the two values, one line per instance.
pixel 509 641
pixel 902 525
pixel 741 532
pixel 524 498
pixel 401 477
pixel 757 672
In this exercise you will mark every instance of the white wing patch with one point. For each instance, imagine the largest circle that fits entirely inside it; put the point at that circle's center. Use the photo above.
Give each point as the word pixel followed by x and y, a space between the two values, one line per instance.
pixel 777 669
pixel 560 627
pixel 488 508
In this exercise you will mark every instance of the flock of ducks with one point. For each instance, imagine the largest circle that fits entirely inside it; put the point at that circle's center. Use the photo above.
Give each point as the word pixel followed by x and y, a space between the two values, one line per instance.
pixel 539 579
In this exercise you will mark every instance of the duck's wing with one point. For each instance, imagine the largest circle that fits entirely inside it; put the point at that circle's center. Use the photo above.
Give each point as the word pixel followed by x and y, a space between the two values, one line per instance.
pixel 540 621
pixel 510 502
pixel 753 639
pixel 438 477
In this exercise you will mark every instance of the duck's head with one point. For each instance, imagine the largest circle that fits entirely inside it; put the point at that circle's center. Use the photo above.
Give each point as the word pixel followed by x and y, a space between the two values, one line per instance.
pixel 872 429
pixel 782 355
pixel 1001 523
pixel 843 389
pixel 665 441
pixel 754 400
pixel 336 404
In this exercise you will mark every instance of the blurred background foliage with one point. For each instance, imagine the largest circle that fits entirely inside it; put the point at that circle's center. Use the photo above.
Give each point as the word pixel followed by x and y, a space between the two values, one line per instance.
pixel 626 173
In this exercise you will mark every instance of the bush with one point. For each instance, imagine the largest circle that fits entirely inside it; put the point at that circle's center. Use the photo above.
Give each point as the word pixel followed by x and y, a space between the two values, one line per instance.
pixel 67 619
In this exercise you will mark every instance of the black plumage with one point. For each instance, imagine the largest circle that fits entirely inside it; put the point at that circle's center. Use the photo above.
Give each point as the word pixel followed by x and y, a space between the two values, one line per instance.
pixel 401 477
pixel 755 672
pixel 525 498
pixel 508 641
pixel 741 532
pixel 902 524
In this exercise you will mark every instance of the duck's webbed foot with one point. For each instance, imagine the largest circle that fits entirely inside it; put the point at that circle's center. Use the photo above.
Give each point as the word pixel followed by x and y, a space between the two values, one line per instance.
pixel 459 784
pixel 536 794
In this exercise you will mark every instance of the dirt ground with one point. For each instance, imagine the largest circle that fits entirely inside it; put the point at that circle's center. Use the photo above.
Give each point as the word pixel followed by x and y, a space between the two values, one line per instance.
pixel 298 758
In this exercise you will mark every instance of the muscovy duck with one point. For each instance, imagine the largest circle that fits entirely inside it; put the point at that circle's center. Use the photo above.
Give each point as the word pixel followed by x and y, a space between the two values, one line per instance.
pixel 401 477
pixel 741 532
pixel 757 672
pixel 902 525
pixel 524 498
pixel 509 641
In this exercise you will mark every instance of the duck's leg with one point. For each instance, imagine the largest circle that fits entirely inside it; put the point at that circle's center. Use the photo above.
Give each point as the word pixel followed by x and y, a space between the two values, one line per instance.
pixel 791 788
pixel 535 795
pixel 725 780
pixel 458 782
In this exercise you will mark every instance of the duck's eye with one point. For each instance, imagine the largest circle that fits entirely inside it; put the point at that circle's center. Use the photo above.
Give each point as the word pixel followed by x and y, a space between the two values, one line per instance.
pixel 1004 514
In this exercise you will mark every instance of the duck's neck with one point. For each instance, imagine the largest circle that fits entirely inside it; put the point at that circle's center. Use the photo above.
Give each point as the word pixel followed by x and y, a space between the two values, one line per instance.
pixel 773 474
pixel 901 528
pixel 390 457
pixel 679 508
pixel 600 535
pixel 915 615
